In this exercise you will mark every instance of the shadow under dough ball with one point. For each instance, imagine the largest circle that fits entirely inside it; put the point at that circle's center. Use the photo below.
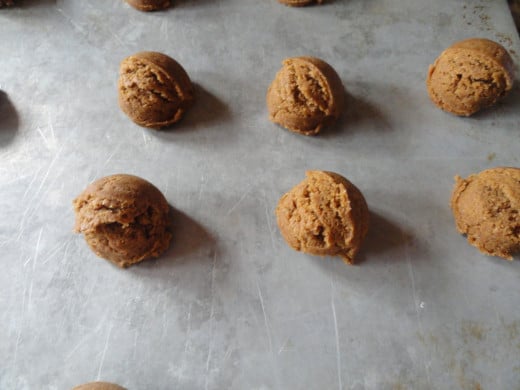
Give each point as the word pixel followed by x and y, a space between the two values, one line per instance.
pixel 149 5
pixel 324 215
pixel 305 95
pixel 300 3
pixel 99 386
pixel 486 207
pixel 154 90
pixel 125 219
pixel 469 76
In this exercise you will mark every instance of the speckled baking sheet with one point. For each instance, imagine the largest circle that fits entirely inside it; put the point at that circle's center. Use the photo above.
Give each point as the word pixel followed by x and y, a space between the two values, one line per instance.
pixel 230 306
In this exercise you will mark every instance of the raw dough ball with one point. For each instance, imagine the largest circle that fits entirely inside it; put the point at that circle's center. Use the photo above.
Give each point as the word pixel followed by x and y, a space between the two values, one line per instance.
pixel 470 75
pixel 154 90
pixel 124 218
pixel 486 207
pixel 99 386
pixel 306 95
pixel 149 5
pixel 299 3
pixel 6 3
pixel 324 215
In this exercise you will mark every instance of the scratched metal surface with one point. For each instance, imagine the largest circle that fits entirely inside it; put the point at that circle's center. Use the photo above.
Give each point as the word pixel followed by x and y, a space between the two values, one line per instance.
pixel 230 305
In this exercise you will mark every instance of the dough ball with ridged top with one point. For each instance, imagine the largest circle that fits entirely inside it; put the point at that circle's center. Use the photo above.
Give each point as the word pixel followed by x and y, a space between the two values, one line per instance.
pixel 99 386
pixel 149 5
pixel 125 219
pixel 469 76
pixel 305 96
pixel 324 215
pixel 300 3
pixel 486 207
pixel 154 90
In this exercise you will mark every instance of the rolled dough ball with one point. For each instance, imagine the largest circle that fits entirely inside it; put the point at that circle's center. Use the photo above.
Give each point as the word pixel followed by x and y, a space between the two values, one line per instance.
pixel 154 90
pixel 124 219
pixel 7 3
pixel 469 76
pixel 149 5
pixel 99 386
pixel 299 3
pixel 486 207
pixel 324 215
pixel 306 95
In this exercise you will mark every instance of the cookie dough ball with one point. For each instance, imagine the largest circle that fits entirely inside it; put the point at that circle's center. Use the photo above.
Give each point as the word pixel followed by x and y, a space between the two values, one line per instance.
pixel 306 95
pixel 99 386
pixel 486 207
pixel 154 90
pixel 470 75
pixel 300 3
pixel 149 5
pixel 124 219
pixel 324 215
pixel 6 3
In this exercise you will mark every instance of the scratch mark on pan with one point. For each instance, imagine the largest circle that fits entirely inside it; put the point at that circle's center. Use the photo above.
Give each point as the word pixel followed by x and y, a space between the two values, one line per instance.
pixel 145 137
pixel 51 127
pixel 116 149
pixel 103 354
pixel 211 319
pixel 283 347
pixel 266 322
pixel 415 301
pixel 45 140
pixel 237 203
pixel 31 183
pixel 271 232
pixel 336 333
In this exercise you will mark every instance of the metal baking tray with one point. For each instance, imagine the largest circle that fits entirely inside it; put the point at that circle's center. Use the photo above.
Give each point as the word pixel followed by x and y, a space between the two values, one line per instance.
pixel 230 305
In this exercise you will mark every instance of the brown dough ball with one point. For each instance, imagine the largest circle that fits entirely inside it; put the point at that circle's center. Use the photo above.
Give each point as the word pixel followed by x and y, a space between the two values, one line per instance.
pixel 486 207
pixel 154 89
pixel 149 5
pixel 99 386
pixel 300 3
pixel 7 3
pixel 306 95
pixel 470 75
pixel 324 215
pixel 124 218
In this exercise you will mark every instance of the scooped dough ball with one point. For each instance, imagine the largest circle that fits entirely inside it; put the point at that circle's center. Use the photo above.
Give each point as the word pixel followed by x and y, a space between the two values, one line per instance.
pixel 486 207
pixel 7 3
pixel 324 215
pixel 124 219
pixel 305 96
pixel 154 90
pixel 99 386
pixel 470 75
pixel 149 5
pixel 300 3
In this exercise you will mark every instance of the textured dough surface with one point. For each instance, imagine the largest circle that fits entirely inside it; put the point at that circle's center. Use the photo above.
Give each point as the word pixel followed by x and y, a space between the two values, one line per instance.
pixel 486 208
pixel 99 386
pixel 305 95
pixel 469 76
pixel 149 5
pixel 154 90
pixel 300 3
pixel 124 219
pixel 324 215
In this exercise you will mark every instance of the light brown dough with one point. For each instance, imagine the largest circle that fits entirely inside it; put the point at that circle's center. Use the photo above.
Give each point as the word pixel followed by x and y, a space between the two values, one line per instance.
pixel 305 95
pixel 154 90
pixel 469 76
pixel 324 215
pixel 125 219
pixel 486 207
pixel 99 386
pixel 300 3
pixel 149 5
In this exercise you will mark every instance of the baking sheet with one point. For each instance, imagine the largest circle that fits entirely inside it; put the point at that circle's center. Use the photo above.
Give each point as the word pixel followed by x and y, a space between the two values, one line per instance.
pixel 230 306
